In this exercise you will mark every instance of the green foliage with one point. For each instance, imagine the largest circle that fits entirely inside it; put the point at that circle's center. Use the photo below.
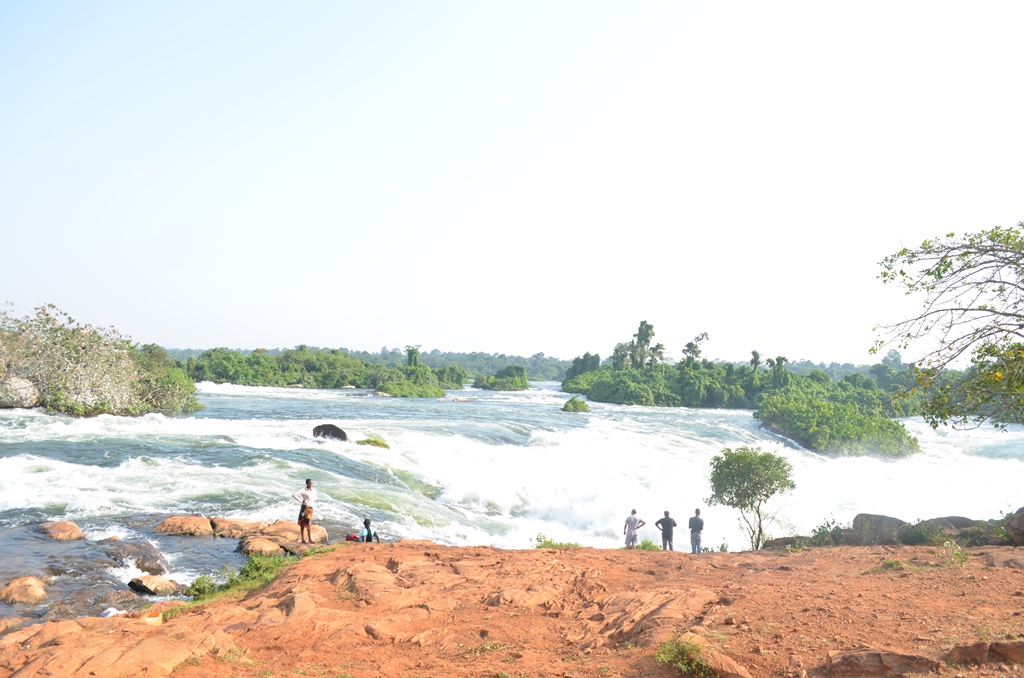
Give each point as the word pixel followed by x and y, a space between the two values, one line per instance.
pixel 542 541
pixel 687 657
pixel 375 440
pixel 647 545
pixel 83 370
pixel 257 572
pixel 202 586
pixel 511 378
pixel 972 288
pixel 582 365
pixel 574 404
pixel 828 533
pixel 582 383
pixel 745 479
pixel 952 554
pixel 922 532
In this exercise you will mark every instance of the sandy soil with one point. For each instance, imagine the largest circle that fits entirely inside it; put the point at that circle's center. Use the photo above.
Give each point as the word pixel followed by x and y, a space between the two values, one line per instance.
pixel 420 609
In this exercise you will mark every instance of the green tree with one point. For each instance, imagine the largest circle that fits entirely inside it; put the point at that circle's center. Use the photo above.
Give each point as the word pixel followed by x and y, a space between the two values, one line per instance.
pixel 641 344
pixel 412 355
pixel 620 355
pixel 746 479
pixel 692 348
pixel 973 313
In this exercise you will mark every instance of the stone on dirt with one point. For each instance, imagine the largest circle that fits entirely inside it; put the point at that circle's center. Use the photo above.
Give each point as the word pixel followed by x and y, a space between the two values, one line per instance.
pixel 62 531
pixel 981 652
pixel 1015 527
pixel 196 526
pixel 23 590
pixel 876 663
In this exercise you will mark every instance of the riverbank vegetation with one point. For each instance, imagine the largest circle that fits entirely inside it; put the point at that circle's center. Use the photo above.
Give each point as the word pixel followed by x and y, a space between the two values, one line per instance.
pixel 324 368
pixel 81 370
pixel 512 378
pixel 851 416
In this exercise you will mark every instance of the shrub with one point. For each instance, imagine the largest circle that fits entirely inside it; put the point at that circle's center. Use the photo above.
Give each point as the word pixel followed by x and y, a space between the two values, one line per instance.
pixel 375 440
pixel 829 533
pixel 542 541
pixel 687 657
pixel 574 404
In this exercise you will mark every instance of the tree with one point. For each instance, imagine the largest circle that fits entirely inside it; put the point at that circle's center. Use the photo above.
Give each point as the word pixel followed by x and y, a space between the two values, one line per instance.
pixel 692 349
pixel 657 355
pixel 746 479
pixel 973 312
pixel 641 344
pixel 412 355
pixel 620 355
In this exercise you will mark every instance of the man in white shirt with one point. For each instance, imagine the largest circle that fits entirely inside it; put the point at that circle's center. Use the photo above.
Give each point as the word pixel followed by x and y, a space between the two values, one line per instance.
pixel 306 496
pixel 633 523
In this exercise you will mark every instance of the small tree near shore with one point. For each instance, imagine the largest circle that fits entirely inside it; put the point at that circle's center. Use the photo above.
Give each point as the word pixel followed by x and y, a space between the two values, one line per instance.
pixel 746 479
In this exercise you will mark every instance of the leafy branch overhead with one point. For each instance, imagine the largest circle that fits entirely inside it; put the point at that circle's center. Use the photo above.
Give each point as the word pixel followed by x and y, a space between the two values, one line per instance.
pixel 972 316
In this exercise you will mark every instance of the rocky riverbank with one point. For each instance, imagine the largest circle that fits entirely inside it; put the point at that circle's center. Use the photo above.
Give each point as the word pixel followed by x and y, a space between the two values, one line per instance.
pixel 417 608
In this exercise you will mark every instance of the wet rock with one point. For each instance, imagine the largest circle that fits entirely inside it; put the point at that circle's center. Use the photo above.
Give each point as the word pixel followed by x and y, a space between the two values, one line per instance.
pixel 259 546
pixel 62 531
pixel 28 590
pixel 1015 527
pixel 876 663
pixel 235 529
pixel 18 392
pixel 154 586
pixel 196 526
pixel 330 431
pixel 145 556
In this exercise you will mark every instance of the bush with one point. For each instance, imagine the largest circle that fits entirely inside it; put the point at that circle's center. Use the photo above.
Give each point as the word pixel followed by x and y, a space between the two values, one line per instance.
pixel 829 533
pixel 375 440
pixel 574 404
pixel 542 541
pixel 687 657
pixel 511 378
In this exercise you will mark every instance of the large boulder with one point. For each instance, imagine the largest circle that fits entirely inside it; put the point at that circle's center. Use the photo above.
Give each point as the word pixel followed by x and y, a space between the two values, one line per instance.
pixel 870 529
pixel 196 526
pixel 876 663
pixel 24 590
pixel 18 392
pixel 1015 527
pixel 259 546
pixel 329 431
pixel 62 531
pixel 289 531
pixel 153 585
pixel 235 529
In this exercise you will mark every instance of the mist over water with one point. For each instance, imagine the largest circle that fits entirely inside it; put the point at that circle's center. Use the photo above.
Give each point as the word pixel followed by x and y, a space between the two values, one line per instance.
pixel 496 470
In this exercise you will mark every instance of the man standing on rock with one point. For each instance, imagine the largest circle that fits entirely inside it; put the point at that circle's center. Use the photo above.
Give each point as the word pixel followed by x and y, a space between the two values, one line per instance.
pixel 696 527
pixel 306 496
pixel 630 529
pixel 666 525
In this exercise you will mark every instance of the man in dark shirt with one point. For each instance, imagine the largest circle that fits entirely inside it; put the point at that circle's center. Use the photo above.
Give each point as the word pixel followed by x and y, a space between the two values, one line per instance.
pixel 665 525
pixel 696 527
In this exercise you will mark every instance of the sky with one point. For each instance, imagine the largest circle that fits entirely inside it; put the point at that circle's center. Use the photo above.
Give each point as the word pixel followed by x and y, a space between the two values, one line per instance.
pixel 503 177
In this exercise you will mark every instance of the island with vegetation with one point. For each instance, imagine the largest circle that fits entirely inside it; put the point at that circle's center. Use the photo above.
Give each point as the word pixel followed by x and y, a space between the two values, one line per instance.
pixel 511 378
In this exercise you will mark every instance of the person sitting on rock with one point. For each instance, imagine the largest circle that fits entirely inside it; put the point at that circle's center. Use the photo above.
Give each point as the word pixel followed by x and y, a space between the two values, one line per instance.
pixel 368 533
pixel 306 496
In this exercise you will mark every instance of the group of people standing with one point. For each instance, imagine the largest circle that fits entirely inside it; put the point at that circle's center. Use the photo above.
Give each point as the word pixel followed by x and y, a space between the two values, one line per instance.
pixel 667 526
pixel 307 497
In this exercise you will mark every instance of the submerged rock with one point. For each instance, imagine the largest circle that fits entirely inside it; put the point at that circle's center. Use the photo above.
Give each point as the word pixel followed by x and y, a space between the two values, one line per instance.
pixel 145 556
pixel 24 590
pixel 196 526
pixel 18 392
pixel 62 531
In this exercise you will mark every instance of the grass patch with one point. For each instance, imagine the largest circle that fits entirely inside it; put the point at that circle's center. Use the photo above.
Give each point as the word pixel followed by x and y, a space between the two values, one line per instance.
pixel 644 545
pixel 687 657
pixel 375 440
pixel 542 541
pixel 890 565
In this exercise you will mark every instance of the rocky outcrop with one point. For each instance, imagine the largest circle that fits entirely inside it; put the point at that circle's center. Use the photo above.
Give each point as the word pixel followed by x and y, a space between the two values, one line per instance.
pixel 29 590
pixel 870 529
pixel 154 586
pixel 1010 651
pixel 62 531
pixel 235 529
pixel 329 431
pixel 877 663
pixel 18 392
pixel 286 530
pixel 143 554
pixel 1015 527
pixel 196 526
pixel 259 546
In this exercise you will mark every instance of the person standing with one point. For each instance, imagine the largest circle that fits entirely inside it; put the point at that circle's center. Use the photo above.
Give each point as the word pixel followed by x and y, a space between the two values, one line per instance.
pixel 630 529
pixel 666 525
pixel 307 496
pixel 368 533
pixel 696 527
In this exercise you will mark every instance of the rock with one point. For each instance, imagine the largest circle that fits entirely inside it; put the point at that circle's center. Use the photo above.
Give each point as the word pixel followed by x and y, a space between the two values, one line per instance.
pixel 298 605
pixel 961 523
pixel 196 526
pixel 872 529
pixel 145 556
pixel 781 543
pixel 63 531
pixel 289 531
pixel 975 653
pixel 235 529
pixel 259 546
pixel 1007 651
pixel 153 585
pixel 1015 527
pixel 876 663
pixel 926 531
pixel 24 590
pixel 329 431
pixel 18 392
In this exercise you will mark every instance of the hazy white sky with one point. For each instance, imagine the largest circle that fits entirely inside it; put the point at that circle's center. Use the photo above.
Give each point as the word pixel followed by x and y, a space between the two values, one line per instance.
pixel 510 177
